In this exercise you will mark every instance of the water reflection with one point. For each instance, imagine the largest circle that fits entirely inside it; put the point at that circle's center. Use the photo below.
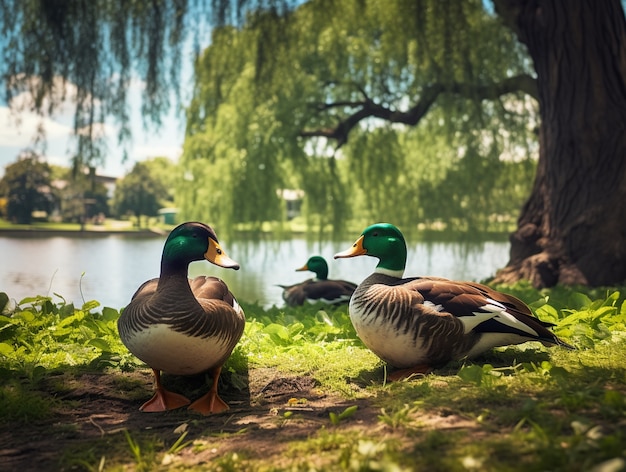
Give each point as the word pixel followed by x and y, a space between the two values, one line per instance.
pixel 110 268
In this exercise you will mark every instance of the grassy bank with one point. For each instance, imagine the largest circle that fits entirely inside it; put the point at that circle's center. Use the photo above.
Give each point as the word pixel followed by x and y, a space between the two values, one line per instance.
pixel 296 227
pixel 108 226
pixel 305 394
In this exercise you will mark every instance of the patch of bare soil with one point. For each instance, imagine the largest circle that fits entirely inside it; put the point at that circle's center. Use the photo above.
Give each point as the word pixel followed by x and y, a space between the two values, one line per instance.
pixel 95 408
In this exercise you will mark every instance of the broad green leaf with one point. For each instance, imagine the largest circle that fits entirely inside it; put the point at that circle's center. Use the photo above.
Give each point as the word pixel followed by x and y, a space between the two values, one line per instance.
pixel 27 316
pixel 76 317
pixel 90 305
pixel 547 313
pixel 100 344
pixel 348 412
pixel 110 314
pixel 281 331
pixel 4 301
pixel 6 349
pixel 471 373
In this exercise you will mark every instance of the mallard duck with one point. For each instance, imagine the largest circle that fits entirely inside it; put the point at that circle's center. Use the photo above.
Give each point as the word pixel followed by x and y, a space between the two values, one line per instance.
pixel 182 326
pixel 318 289
pixel 420 323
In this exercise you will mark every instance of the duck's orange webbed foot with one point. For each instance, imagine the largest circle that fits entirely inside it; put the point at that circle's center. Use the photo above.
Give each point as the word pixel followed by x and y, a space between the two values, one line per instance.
pixel 402 374
pixel 211 402
pixel 163 400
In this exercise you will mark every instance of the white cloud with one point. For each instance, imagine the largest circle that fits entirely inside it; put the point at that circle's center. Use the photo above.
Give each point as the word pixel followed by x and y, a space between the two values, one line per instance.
pixel 21 129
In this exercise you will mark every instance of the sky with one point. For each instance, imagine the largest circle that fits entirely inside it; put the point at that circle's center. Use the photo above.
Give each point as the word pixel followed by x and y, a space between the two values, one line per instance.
pixel 18 130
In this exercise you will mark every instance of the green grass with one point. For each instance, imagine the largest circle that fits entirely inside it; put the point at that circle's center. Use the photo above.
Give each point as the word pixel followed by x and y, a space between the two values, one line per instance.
pixel 517 408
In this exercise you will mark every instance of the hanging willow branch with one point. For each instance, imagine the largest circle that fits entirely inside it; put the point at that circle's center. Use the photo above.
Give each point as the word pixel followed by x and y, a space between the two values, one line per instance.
pixel 367 108
pixel 87 52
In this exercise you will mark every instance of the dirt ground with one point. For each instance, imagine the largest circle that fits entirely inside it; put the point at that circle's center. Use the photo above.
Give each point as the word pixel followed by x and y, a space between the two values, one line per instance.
pixel 97 406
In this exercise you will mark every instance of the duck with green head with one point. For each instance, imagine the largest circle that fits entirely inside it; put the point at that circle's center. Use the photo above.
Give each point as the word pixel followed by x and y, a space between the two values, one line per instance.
pixel 318 289
pixel 420 323
pixel 182 326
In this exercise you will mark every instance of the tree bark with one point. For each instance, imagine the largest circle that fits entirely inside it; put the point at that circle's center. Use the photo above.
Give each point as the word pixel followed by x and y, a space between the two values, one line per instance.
pixel 572 229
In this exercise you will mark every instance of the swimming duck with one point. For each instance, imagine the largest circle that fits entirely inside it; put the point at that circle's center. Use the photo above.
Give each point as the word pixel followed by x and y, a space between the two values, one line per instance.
pixel 318 289
pixel 184 326
pixel 420 323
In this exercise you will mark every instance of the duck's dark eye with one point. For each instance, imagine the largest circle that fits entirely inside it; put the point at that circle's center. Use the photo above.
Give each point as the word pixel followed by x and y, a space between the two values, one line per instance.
pixel 219 251
pixel 375 234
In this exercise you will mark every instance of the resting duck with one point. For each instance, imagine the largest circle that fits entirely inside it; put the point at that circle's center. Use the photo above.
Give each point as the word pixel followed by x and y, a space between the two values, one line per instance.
pixel 182 326
pixel 420 323
pixel 318 289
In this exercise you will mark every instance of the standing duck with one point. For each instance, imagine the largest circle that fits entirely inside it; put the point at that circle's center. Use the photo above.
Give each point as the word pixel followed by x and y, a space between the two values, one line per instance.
pixel 420 323
pixel 182 326
pixel 318 289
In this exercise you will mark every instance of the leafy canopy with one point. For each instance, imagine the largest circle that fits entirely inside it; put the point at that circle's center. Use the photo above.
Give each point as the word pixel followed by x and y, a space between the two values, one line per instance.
pixel 326 99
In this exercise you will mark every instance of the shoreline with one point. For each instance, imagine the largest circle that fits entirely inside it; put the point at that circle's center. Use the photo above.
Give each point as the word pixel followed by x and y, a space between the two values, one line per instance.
pixel 34 231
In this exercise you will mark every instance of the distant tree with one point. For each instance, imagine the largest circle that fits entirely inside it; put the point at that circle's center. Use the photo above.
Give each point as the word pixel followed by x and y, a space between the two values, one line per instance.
pixel 139 193
pixel 26 185
pixel 163 170
pixel 81 197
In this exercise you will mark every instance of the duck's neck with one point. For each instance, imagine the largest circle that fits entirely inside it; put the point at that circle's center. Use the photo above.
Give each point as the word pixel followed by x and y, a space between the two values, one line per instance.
pixel 172 270
pixel 392 264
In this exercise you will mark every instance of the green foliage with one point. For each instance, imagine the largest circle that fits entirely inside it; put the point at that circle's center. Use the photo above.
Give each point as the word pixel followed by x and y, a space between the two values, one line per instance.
pixel 517 407
pixel 20 404
pixel 584 314
pixel 39 335
pixel 305 341
pixel 26 185
pixel 140 192
pixel 144 457
pixel 336 418
pixel 252 109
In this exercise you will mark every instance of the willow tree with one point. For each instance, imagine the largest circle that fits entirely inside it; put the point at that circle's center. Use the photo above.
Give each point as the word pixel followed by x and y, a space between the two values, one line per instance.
pixel 474 66
pixel 249 118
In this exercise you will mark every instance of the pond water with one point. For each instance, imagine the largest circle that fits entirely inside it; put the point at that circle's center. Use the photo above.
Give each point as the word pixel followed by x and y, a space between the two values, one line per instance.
pixel 109 268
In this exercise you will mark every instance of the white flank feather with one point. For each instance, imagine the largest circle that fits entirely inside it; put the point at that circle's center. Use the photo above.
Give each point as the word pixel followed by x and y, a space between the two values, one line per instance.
pixel 496 311
pixel 430 304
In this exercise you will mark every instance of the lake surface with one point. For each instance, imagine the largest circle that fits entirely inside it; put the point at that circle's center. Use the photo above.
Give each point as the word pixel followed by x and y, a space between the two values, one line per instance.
pixel 109 268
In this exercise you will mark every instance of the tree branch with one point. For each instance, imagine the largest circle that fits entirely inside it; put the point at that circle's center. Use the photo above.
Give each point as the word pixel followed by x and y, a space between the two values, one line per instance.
pixel 367 108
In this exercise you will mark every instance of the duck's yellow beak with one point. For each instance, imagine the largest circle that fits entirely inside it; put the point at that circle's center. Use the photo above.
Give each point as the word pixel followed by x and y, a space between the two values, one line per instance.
pixel 357 249
pixel 217 256
pixel 304 267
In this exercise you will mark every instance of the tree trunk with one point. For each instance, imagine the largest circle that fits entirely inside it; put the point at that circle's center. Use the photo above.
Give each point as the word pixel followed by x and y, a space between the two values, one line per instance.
pixel 572 229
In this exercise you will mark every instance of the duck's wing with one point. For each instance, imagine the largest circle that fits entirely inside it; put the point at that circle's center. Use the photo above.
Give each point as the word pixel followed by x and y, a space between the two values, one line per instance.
pixel 146 289
pixel 211 288
pixel 221 315
pixel 482 309
pixel 329 291
pixel 312 291
pixel 296 294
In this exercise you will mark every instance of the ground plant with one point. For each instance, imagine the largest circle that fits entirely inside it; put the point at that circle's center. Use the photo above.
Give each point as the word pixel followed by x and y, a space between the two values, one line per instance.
pixel 305 394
